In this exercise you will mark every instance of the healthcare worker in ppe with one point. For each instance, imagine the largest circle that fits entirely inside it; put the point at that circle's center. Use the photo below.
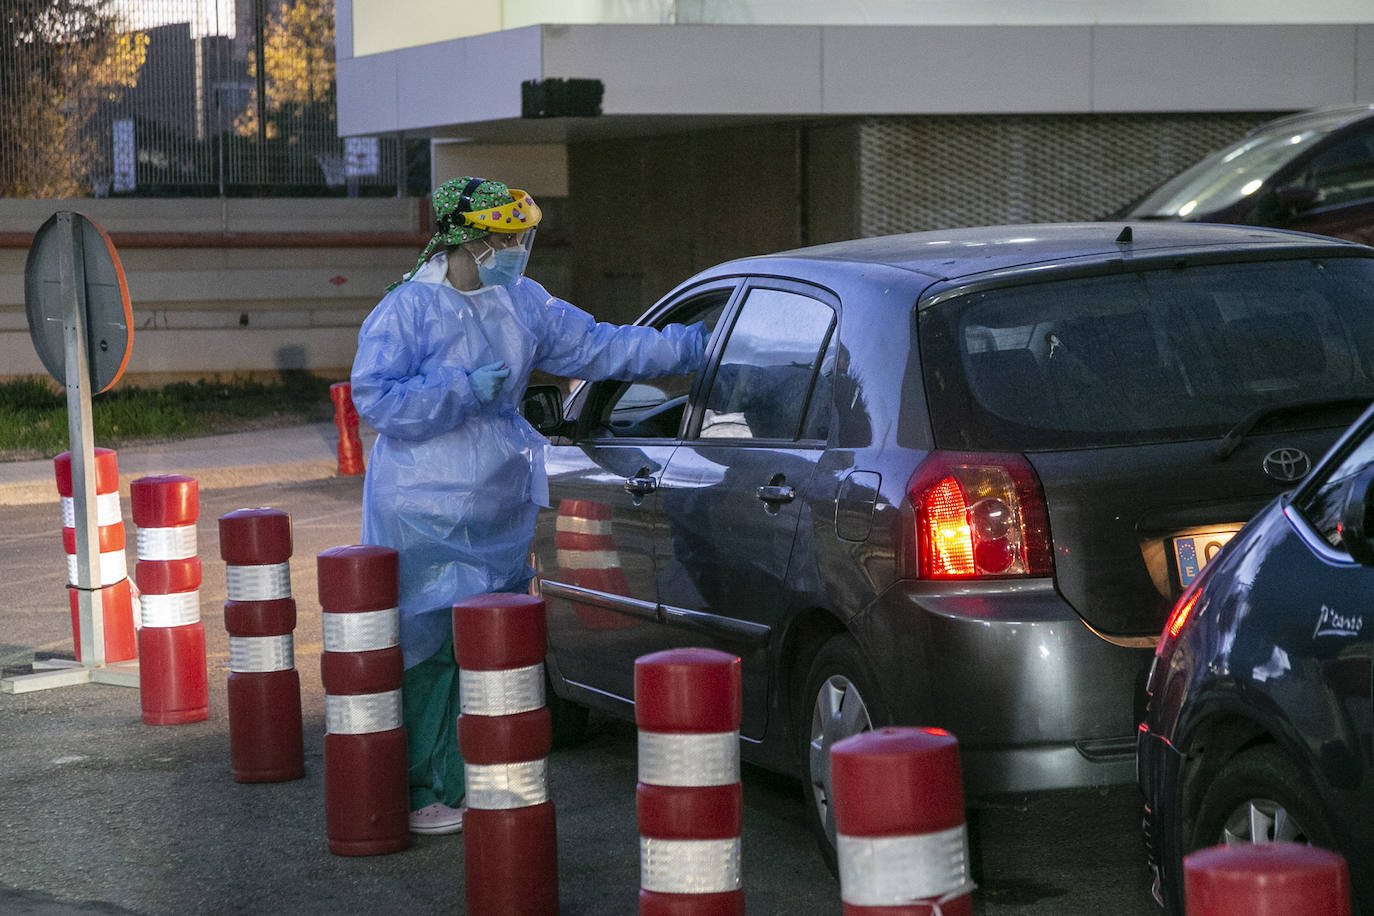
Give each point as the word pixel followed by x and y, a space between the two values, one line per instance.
pixel 456 477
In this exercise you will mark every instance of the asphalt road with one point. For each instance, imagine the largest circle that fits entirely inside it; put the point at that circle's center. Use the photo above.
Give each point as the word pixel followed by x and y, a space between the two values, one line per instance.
pixel 102 814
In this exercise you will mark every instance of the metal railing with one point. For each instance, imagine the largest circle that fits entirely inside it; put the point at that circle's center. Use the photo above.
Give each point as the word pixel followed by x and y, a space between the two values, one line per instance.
pixel 182 98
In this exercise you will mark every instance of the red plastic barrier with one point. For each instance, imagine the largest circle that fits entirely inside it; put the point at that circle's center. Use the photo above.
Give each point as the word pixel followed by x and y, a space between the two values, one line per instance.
pixel 587 556
pixel 510 848
pixel 346 421
pixel 1266 879
pixel 117 612
pixel 366 785
pixel 901 840
pixel 265 734
pixel 173 684
pixel 689 801
pixel 117 609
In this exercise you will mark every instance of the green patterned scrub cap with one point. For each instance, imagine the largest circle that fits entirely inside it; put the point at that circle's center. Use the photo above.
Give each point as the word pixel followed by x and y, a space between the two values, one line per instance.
pixel 471 208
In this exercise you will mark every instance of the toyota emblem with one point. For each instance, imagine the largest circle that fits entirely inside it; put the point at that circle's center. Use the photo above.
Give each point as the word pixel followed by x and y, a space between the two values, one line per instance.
pixel 1287 465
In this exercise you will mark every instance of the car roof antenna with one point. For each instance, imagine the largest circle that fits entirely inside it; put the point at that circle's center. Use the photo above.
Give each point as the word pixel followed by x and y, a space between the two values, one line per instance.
pixel 1125 238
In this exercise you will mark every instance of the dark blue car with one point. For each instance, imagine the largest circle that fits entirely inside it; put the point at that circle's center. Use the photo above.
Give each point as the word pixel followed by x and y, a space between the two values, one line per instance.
pixel 1312 171
pixel 1258 724
pixel 951 479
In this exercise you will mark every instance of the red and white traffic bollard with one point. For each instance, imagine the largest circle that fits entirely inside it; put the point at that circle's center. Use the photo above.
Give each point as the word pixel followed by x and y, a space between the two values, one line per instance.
pixel 346 421
pixel 366 783
pixel 587 557
pixel 171 644
pixel 121 643
pixel 689 801
pixel 265 736
pixel 1266 879
pixel 510 848
pixel 901 840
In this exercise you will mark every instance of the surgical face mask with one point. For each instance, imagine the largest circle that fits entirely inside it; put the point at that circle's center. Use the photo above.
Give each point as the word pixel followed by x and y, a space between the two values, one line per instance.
pixel 502 266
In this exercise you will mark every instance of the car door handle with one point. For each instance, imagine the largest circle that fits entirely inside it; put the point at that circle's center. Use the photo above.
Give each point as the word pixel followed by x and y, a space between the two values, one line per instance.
pixel 776 494
pixel 640 486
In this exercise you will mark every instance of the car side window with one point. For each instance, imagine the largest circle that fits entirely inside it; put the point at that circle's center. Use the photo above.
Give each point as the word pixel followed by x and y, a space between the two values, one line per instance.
pixel 817 422
pixel 654 408
pixel 770 358
pixel 1321 504
pixel 1344 173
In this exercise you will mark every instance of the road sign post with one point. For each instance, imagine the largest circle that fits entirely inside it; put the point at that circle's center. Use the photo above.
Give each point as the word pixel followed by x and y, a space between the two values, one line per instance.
pixel 81 435
pixel 81 325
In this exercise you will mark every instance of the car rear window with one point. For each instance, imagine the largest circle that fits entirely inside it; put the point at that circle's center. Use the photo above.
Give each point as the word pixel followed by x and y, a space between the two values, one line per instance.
pixel 1147 356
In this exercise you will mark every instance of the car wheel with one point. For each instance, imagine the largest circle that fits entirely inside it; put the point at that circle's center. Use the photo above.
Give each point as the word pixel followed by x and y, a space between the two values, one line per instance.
pixel 839 700
pixel 1259 797
pixel 569 719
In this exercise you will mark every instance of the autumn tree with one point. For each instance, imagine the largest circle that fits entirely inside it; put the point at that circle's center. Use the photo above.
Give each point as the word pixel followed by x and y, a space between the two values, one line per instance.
pixel 298 62
pixel 59 60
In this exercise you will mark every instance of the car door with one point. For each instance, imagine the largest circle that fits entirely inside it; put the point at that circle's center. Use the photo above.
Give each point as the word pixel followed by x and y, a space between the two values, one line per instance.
pixel 594 548
pixel 1323 593
pixel 731 494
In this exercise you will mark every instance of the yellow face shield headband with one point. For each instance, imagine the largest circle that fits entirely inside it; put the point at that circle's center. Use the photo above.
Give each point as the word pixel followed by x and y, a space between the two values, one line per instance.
pixel 521 214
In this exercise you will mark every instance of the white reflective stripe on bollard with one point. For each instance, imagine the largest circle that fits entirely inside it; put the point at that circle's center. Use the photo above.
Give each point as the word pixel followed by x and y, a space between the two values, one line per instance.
pixel 689 866
pixel 500 786
pixel 178 543
pixel 689 760
pixel 106 510
pixel 901 870
pixel 501 693
pixel 113 568
pixel 588 559
pixel 364 631
pixel 574 524
pixel 256 654
pixel 175 610
pixel 258 583
pixel 362 713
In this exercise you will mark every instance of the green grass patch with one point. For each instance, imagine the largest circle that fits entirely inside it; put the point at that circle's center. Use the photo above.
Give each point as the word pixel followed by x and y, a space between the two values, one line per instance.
pixel 33 418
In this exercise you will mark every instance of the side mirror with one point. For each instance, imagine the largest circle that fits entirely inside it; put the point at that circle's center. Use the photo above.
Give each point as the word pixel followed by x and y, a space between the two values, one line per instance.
pixel 542 406
pixel 1297 198
pixel 1356 531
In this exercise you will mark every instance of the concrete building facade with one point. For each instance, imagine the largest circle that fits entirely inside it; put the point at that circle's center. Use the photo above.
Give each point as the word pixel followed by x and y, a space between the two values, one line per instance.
pixel 727 129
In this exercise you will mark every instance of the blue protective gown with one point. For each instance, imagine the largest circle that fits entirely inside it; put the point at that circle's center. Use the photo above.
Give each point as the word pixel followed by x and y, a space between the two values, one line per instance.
pixel 455 485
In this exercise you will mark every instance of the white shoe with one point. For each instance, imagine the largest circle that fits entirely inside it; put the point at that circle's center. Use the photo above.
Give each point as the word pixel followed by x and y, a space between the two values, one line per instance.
pixel 437 818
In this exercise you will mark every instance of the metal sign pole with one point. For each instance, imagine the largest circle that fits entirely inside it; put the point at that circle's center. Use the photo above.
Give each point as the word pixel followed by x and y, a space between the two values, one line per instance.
pixel 90 611
pixel 75 294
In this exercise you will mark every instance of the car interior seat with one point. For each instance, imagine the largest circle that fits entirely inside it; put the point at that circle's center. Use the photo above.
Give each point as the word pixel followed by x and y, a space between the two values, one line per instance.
pixel 1008 383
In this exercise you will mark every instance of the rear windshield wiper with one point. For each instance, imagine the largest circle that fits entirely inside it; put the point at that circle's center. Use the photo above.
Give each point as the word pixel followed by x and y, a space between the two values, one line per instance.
pixel 1232 441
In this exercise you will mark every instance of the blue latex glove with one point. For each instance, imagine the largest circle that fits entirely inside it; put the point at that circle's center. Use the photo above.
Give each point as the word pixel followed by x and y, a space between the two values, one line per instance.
pixel 485 381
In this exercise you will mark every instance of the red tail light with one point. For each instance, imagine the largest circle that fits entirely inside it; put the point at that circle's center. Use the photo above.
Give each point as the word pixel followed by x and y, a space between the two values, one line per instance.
pixel 1180 615
pixel 979 515
pixel 1183 609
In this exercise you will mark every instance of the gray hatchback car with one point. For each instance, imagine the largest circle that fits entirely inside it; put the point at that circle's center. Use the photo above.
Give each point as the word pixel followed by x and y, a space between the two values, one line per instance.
pixel 949 479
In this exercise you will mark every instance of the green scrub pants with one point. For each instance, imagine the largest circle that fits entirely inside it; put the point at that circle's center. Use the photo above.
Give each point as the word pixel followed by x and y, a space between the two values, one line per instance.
pixel 430 707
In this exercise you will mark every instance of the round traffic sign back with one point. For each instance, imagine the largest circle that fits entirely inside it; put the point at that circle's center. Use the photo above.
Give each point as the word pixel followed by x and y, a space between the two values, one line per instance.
pixel 102 294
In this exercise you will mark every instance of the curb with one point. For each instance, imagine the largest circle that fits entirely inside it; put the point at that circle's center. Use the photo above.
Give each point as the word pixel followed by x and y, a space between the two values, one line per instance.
pixel 282 455
pixel 31 493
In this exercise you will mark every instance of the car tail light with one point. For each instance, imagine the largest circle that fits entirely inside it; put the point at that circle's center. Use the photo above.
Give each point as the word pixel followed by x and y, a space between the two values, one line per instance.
pixel 1183 609
pixel 1180 615
pixel 979 515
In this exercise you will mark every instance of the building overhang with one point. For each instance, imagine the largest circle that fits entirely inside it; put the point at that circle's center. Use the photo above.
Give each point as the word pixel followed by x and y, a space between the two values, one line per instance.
pixel 666 78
